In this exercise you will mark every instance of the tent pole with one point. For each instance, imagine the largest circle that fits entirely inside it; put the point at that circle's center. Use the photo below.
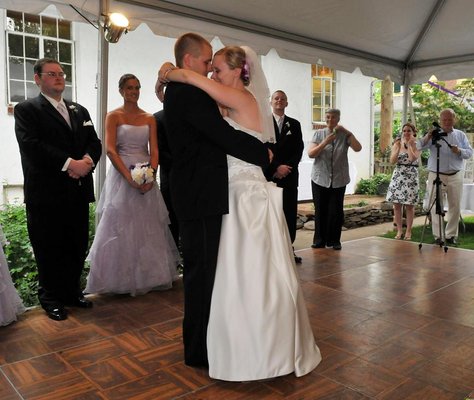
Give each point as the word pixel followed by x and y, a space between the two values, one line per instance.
pixel 102 89
pixel 405 103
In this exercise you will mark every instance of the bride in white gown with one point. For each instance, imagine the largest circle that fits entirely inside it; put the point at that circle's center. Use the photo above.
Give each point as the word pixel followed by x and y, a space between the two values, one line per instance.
pixel 258 326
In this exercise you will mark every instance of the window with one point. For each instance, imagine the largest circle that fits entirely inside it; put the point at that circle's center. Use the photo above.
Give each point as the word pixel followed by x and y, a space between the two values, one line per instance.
pixel 397 88
pixel 324 92
pixel 29 38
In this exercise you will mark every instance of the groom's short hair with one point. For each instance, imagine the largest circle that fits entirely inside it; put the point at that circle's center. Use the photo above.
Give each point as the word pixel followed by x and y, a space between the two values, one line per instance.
pixel 189 43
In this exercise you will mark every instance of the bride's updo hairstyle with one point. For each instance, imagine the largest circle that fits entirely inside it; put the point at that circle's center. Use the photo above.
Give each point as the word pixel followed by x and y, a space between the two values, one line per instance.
pixel 235 58
pixel 124 78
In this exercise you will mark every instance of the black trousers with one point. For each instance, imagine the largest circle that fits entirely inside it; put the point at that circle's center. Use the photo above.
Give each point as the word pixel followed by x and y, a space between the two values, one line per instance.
pixel 59 235
pixel 328 213
pixel 165 192
pixel 200 245
pixel 290 208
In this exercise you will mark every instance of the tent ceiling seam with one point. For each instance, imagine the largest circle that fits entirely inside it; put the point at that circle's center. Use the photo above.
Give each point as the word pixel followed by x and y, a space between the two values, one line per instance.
pixel 190 12
pixel 423 32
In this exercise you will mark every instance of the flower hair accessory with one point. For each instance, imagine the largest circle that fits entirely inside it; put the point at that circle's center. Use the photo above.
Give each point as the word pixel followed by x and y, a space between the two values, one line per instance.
pixel 245 74
pixel 142 173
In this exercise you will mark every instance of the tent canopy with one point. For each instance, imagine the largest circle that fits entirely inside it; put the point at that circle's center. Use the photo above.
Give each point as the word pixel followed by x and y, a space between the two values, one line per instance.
pixel 406 39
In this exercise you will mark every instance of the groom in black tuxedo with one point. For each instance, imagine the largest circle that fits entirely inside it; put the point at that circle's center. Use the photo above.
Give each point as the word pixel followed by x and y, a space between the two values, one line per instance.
pixel 166 161
pixel 288 150
pixel 200 139
pixel 59 149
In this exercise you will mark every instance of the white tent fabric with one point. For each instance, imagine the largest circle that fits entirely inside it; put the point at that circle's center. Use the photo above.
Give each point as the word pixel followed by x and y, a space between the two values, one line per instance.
pixel 406 39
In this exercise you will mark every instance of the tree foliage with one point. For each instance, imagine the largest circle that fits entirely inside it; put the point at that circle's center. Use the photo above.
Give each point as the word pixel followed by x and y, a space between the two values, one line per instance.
pixel 19 253
pixel 429 101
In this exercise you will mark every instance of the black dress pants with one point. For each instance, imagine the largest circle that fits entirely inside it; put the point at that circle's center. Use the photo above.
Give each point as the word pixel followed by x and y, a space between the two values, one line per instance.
pixel 328 213
pixel 290 208
pixel 200 245
pixel 59 235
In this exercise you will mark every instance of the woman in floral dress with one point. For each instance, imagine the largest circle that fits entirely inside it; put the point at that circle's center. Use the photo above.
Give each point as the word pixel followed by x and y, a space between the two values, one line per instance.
pixel 403 188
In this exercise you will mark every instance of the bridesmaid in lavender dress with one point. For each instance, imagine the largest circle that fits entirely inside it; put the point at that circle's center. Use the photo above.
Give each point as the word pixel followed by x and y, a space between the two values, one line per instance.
pixel 133 249
pixel 10 303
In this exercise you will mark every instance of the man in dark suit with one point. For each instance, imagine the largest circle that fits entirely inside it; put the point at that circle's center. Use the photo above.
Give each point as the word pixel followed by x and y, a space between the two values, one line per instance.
pixel 199 140
pixel 287 152
pixel 59 149
pixel 165 161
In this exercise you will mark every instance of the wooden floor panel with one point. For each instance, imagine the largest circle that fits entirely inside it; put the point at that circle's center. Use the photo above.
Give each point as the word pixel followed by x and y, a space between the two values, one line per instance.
pixel 392 321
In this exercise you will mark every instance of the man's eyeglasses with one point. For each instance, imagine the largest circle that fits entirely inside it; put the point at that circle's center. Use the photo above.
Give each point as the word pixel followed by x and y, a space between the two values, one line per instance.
pixel 54 74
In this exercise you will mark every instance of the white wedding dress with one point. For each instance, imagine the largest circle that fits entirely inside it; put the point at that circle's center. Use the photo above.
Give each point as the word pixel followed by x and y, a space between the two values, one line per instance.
pixel 258 326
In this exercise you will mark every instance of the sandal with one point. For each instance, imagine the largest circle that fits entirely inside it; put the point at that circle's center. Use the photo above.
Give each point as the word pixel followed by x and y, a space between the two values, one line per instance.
pixel 407 238
pixel 399 237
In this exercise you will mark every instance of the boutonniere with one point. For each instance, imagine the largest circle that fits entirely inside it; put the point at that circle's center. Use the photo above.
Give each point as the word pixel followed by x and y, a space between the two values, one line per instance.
pixel 73 108
pixel 286 129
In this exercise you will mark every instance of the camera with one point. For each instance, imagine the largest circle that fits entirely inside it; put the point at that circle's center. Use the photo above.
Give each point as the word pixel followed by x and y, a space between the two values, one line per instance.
pixel 437 133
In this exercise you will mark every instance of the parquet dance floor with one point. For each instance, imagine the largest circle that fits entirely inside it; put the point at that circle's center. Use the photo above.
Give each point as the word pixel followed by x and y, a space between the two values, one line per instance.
pixel 392 322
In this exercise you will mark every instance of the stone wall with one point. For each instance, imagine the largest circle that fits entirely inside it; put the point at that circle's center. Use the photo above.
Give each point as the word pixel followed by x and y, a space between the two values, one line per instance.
pixel 368 215
pixel 357 217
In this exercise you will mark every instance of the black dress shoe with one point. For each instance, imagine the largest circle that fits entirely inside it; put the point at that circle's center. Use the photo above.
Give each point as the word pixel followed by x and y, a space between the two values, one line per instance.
pixel 58 313
pixel 80 302
pixel 337 246
pixel 439 242
pixel 318 245
pixel 452 241
pixel 298 260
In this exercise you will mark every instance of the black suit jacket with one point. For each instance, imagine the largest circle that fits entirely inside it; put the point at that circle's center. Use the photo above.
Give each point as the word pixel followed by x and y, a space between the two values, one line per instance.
pixel 287 151
pixel 164 151
pixel 199 140
pixel 46 141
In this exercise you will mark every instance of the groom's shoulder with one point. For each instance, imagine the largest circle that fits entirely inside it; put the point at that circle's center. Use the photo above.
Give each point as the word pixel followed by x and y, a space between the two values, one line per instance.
pixel 185 93
pixel 179 87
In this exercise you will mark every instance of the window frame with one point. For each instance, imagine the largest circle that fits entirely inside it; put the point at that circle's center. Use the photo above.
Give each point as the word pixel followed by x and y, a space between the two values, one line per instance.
pixel 326 78
pixel 28 80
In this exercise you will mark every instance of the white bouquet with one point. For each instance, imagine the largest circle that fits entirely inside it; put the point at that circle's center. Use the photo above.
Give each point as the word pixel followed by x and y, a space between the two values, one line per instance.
pixel 142 173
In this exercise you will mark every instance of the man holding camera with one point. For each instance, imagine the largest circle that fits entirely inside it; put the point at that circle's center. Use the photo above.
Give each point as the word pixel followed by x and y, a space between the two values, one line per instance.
pixel 454 148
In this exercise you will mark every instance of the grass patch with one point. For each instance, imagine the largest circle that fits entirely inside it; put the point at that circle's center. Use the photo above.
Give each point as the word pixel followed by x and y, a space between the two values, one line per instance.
pixel 362 203
pixel 465 239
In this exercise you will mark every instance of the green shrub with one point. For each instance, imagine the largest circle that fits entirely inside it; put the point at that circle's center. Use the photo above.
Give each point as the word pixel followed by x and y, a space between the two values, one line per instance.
pixel 19 253
pixel 374 186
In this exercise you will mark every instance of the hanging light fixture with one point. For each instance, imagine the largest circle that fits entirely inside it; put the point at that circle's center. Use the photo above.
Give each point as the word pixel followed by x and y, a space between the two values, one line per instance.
pixel 115 24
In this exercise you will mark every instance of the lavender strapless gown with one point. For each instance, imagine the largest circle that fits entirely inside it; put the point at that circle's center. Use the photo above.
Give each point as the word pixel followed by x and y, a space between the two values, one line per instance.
pixel 10 303
pixel 133 249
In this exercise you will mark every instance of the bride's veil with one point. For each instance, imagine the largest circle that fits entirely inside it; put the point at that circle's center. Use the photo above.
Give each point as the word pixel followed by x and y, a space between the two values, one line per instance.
pixel 259 88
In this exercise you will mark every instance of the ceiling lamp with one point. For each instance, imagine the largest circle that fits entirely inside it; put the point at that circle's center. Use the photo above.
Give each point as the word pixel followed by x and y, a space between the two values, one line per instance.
pixel 115 25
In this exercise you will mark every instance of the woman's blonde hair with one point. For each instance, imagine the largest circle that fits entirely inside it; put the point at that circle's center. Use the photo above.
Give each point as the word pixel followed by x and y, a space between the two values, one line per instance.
pixel 234 57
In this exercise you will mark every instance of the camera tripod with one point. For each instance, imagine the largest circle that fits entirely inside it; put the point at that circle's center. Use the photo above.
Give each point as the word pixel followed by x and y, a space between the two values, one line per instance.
pixel 438 203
